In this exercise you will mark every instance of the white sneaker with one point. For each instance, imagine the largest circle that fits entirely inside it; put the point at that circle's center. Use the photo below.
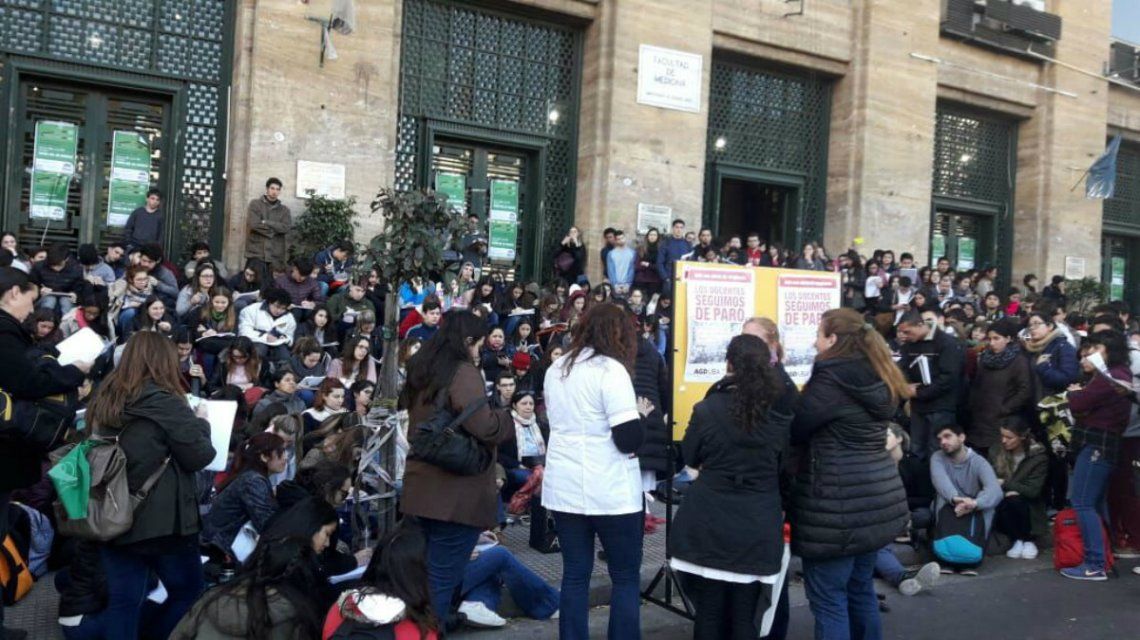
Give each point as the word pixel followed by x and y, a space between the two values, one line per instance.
pixel 478 615
pixel 921 580
pixel 1136 570
pixel 1016 549
pixel 1029 551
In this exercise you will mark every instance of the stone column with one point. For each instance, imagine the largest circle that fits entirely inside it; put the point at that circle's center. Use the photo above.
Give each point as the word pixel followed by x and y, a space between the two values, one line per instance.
pixel 881 149
pixel 1052 220
pixel 629 152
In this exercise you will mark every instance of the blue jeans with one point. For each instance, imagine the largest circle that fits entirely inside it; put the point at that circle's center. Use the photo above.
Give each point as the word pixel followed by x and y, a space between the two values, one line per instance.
pixel 128 573
pixel 486 575
pixel 62 303
pixel 127 322
pixel 621 538
pixel 841 593
pixel 888 567
pixel 449 547
pixel 1090 479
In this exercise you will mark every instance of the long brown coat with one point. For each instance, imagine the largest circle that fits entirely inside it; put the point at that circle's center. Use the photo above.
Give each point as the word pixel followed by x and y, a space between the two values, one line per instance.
pixel 431 492
pixel 267 228
pixel 995 396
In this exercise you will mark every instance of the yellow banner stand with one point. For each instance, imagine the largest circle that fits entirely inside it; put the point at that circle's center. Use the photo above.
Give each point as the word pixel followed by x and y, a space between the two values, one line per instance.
pixel 711 302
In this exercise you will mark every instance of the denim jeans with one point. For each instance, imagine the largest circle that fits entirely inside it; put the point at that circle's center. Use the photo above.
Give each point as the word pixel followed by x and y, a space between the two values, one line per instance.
pixel 486 575
pixel 62 303
pixel 888 567
pixel 1090 479
pixel 516 478
pixel 924 431
pixel 449 547
pixel 841 594
pixel 127 321
pixel 128 573
pixel 621 538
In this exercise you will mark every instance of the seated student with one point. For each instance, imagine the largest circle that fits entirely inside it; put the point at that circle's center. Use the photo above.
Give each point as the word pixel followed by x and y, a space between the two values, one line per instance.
pixel 304 291
pixel 887 565
pixel 189 365
pixel 240 367
pixel 308 361
pixel 330 426
pixel 963 480
pixel 483 581
pixel 1021 466
pixel 361 395
pixel 127 295
pixel 199 254
pixel 334 266
pixel 367 328
pixel 328 402
pixel 90 313
pixel 326 481
pixel 288 427
pixel 315 519
pixel 345 306
pixel 271 597
pixel 247 494
pixel 246 286
pixel 521 367
pixel 355 363
pixel 320 327
pixel 97 273
pixel 284 391
pixel 430 314
pixel 153 316
pixel 269 325
pixel 214 327
pixel 60 280
pixel 115 257
pixel 527 450
pixel 392 600
pixel 413 293
pixel 375 291
pixel 43 325
pixel 496 354
pixel 198 292
pixel 505 387
pixel 150 258
pixel 342 448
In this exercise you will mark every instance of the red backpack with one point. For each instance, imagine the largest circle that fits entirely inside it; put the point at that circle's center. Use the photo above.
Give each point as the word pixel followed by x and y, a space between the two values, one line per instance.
pixel 1069 548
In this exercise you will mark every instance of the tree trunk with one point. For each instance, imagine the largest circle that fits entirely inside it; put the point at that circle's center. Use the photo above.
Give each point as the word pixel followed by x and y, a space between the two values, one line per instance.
pixel 390 367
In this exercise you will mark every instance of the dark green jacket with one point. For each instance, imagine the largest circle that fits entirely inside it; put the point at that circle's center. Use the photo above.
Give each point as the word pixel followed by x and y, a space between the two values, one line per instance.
pixel 1028 480
pixel 158 424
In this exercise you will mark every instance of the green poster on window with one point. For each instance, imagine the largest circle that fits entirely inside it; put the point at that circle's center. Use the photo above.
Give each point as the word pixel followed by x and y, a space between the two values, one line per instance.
pixel 504 220
pixel 130 176
pixel 937 249
pixel 1116 281
pixel 53 165
pixel 967 248
pixel 454 186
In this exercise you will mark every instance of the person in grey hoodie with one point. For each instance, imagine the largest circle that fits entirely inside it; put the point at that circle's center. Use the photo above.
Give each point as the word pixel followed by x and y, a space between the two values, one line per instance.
pixel 963 478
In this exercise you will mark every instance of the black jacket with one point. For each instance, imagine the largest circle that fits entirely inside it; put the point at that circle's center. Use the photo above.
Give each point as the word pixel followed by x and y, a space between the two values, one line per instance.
pixel 848 495
pixel 69 279
pixel 651 380
pixel 247 498
pixel 947 359
pixel 158 424
pixel 27 375
pixel 85 591
pixel 732 518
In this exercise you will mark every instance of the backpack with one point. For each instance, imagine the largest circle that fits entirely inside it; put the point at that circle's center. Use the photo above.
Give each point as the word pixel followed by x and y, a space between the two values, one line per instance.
pixel 110 503
pixel 959 541
pixel 35 527
pixel 1069 547
pixel 16 578
pixel 442 441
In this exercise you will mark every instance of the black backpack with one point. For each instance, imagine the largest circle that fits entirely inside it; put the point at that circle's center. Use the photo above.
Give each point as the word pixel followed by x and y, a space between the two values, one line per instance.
pixel 441 440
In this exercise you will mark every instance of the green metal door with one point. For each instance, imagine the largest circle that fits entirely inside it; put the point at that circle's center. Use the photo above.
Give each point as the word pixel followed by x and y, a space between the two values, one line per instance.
pixel 480 165
pixel 97 114
pixel 965 239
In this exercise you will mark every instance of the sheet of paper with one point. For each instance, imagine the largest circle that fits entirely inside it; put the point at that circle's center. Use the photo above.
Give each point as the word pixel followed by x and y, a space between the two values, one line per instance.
pixel 355 574
pixel 244 542
pixel 311 382
pixel 220 414
pixel 82 346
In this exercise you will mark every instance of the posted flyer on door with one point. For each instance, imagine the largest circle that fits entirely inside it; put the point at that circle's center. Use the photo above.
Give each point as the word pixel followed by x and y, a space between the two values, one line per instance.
pixel 800 303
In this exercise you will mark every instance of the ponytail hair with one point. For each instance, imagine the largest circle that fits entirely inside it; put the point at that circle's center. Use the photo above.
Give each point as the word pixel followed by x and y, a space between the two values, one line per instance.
pixel 757 386
pixel 249 455
pixel 854 338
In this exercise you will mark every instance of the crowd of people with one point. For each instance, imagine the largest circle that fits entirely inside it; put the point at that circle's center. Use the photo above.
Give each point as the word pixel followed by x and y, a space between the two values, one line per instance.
pixel 920 421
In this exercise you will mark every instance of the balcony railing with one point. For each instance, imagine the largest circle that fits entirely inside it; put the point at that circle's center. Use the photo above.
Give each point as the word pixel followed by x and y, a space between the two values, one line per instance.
pixel 1019 29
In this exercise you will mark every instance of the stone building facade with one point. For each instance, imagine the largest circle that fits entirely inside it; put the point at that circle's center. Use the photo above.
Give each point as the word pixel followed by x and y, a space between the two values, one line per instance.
pixel 936 126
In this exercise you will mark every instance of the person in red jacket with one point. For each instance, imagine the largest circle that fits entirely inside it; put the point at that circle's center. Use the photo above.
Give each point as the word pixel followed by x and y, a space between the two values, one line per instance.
pixel 395 603
pixel 1101 408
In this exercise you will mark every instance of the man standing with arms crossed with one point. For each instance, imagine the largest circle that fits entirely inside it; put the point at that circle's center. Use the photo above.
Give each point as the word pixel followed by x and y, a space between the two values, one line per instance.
pixel 267 222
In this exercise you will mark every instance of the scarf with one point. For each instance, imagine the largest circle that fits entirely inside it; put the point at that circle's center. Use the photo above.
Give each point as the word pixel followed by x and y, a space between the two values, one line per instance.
pixel 1037 346
pixel 995 361
pixel 528 437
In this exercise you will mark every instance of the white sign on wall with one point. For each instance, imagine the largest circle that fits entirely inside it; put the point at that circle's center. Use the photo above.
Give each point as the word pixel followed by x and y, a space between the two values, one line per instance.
pixel 322 178
pixel 669 79
pixel 1074 268
pixel 653 215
